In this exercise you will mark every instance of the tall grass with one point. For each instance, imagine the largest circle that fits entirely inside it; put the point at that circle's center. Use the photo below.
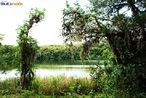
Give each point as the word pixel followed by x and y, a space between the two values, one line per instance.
pixel 62 85
pixel 50 86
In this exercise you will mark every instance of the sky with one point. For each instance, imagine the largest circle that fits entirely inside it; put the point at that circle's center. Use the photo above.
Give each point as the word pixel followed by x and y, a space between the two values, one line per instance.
pixel 46 32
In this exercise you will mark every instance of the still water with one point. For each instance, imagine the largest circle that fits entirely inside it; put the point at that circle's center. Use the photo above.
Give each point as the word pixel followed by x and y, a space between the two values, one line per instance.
pixel 77 71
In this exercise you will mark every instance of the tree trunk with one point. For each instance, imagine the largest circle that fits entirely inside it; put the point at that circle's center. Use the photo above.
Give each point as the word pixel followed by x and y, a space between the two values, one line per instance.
pixel 114 49
pixel 23 79
pixel 25 75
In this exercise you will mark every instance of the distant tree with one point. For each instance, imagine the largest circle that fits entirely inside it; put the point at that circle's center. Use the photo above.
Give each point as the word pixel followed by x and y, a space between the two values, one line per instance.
pixel 9 56
pixel 28 47
pixel 1 37
pixel 1 59
pixel 126 35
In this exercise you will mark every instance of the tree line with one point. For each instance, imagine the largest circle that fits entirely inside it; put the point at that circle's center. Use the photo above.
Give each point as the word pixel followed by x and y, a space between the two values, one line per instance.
pixel 103 21
pixel 52 53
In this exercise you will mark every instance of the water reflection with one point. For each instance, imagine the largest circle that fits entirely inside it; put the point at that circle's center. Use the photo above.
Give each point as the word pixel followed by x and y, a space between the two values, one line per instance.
pixel 9 74
pixel 67 72
pixel 77 72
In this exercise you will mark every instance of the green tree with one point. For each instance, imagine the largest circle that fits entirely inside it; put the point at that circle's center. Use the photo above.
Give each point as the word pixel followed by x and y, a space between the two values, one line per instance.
pixel 28 47
pixel 1 59
pixel 9 56
pixel 1 37
pixel 126 35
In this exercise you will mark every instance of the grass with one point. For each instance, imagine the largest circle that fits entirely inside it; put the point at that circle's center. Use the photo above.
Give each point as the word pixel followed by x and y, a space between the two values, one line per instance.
pixel 62 85
pixel 83 96
pixel 50 86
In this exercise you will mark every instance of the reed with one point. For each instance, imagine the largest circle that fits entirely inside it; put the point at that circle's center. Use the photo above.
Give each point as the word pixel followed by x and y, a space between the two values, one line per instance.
pixel 61 85
pixel 50 86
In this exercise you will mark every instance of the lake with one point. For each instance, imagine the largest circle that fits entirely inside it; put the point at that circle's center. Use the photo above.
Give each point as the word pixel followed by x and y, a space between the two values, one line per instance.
pixel 77 71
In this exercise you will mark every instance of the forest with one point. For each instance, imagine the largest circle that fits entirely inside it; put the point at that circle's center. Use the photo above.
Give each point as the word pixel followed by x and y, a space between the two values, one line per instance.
pixel 108 33
pixel 51 53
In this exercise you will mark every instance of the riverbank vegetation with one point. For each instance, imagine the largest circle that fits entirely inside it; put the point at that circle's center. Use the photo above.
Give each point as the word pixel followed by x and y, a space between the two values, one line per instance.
pixel 27 53
pixel 54 55
pixel 51 86
pixel 107 33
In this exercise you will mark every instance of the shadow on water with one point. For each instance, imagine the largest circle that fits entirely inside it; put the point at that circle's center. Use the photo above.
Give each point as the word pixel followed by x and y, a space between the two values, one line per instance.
pixel 68 62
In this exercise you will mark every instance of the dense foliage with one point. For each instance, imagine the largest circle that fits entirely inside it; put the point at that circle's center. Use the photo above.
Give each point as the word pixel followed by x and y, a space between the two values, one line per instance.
pixel 63 52
pixel 54 53
pixel 1 60
pixel 9 57
pixel 125 33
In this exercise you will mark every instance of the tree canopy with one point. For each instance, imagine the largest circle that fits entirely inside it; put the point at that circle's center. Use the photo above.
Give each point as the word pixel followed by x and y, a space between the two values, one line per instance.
pixel 120 22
